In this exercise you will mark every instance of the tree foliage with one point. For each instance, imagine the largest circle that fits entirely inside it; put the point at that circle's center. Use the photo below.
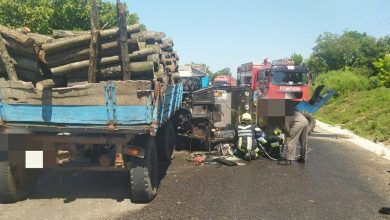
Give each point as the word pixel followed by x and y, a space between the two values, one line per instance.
pixel 42 16
pixel 383 67
pixel 350 50
pixel 297 58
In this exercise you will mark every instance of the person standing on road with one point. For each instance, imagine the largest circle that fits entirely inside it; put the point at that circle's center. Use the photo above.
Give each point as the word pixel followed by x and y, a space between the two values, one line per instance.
pixel 297 131
pixel 246 142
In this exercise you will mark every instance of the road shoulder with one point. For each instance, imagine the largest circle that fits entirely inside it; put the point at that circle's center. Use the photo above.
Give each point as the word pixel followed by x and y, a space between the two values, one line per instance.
pixel 379 149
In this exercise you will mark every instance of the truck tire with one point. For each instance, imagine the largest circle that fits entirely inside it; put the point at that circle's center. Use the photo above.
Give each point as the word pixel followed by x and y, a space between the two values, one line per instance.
pixel 16 182
pixel 144 172
pixel 312 121
pixel 191 84
pixel 166 140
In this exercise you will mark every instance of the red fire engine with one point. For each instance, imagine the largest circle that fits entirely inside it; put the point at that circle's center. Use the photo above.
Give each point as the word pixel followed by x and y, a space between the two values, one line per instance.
pixel 277 80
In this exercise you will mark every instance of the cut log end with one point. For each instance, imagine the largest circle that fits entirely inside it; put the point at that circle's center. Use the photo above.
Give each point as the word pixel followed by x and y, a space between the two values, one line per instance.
pixel 45 84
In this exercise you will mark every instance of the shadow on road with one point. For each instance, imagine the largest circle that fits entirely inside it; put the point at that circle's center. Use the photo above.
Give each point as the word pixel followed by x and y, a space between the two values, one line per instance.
pixel 72 185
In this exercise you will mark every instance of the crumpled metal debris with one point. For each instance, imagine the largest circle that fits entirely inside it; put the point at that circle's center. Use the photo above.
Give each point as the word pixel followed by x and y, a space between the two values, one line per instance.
pixel 225 149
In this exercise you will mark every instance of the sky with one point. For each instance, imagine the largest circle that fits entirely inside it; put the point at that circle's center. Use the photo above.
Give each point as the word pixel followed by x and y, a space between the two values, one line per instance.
pixel 228 33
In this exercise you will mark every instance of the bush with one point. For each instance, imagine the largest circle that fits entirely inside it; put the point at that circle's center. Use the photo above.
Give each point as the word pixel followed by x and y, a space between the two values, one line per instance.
pixel 344 82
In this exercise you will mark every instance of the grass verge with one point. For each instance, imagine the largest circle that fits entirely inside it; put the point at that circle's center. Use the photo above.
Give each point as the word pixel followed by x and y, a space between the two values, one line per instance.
pixel 366 113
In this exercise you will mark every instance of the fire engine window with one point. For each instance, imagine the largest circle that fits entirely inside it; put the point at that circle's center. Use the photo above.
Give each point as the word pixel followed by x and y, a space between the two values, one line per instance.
pixel 288 78
pixel 247 79
pixel 261 77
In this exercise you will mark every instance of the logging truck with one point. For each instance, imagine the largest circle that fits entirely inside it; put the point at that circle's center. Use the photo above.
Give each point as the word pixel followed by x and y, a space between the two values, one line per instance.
pixel 106 126
pixel 65 104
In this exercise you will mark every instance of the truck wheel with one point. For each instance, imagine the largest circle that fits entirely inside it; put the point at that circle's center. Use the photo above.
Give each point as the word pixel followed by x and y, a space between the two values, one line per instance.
pixel 312 122
pixel 16 182
pixel 166 142
pixel 144 172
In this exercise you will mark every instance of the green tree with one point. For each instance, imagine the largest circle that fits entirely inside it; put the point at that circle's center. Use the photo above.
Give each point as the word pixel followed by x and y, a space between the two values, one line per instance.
pixel 297 58
pixel 42 16
pixel 35 14
pixel 350 51
pixel 383 67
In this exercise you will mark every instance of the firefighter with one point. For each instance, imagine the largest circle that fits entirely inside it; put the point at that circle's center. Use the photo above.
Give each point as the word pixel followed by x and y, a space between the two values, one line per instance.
pixel 246 138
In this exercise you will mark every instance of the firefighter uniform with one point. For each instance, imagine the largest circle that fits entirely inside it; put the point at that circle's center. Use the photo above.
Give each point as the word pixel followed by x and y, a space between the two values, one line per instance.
pixel 246 138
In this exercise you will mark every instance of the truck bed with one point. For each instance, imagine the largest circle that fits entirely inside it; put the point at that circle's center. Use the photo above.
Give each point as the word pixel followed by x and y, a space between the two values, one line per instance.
pixel 125 104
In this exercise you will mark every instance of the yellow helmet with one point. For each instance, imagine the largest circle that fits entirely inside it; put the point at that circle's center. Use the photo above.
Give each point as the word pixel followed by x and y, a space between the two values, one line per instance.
pixel 246 116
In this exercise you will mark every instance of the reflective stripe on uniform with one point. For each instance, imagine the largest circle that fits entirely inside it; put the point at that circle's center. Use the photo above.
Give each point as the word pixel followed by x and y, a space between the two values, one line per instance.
pixel 244 127
pixel 249 143
pixel 242 133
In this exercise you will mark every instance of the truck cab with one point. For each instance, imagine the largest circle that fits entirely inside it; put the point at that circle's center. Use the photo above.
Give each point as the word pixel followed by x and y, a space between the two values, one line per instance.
pixel 281 79
pixel 284 81
pixel 224 80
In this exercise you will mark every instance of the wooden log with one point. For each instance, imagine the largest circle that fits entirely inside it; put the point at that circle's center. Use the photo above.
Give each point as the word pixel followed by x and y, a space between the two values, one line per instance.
pixel 141 45
pixel 40 38
pixel 140 71
pixel 59 45
pixel 160 73
pixel 168 41
pixel 15 48
pixel 7 62
pixel 175 55
pixel 94 57
pixel 16 36
pixel 148 37
pixel 45 84
pixel 105 34
pixel 122 39
pixel 80 54
pixel 26 63
pixel 166 48
pixel 67 33
pixel 27 75
pixel 82 65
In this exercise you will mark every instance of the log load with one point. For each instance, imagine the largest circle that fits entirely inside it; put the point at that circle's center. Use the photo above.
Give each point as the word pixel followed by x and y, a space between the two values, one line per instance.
pixel 64 58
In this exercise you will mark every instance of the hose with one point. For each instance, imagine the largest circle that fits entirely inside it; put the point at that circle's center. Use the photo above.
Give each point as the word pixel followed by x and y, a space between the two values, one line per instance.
pixel 266 153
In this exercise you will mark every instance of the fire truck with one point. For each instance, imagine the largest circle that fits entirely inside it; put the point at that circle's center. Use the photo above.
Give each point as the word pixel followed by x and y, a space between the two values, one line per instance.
pixel 277 80
pixel 282 80
pixel 224 80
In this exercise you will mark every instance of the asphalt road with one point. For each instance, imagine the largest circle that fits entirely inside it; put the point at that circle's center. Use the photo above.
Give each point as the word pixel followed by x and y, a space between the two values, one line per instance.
pixel 340 181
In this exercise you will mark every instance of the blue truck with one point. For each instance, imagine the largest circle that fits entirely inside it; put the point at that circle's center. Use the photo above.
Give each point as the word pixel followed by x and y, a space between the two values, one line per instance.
pixel 106 126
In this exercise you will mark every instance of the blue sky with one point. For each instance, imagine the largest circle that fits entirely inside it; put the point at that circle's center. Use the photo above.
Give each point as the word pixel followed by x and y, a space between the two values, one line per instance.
pixel 227 33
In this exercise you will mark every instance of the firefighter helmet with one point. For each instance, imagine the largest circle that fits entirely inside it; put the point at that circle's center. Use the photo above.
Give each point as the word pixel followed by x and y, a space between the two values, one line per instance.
pixel 246 116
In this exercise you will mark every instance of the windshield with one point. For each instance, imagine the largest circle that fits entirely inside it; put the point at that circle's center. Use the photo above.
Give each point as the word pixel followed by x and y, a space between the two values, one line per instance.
pixel 220 83
pixel 289 78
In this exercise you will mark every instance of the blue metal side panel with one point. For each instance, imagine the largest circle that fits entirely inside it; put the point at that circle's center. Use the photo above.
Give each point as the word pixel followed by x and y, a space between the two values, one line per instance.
pixel 129 115
pixel 168 102
pixel 176 95
pixel 205 82
pixel 179 97
pixel 89 115
pixel 171 102
pixel 55 114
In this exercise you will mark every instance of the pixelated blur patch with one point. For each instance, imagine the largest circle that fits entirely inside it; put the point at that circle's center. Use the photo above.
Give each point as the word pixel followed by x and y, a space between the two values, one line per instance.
pixel 34 159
